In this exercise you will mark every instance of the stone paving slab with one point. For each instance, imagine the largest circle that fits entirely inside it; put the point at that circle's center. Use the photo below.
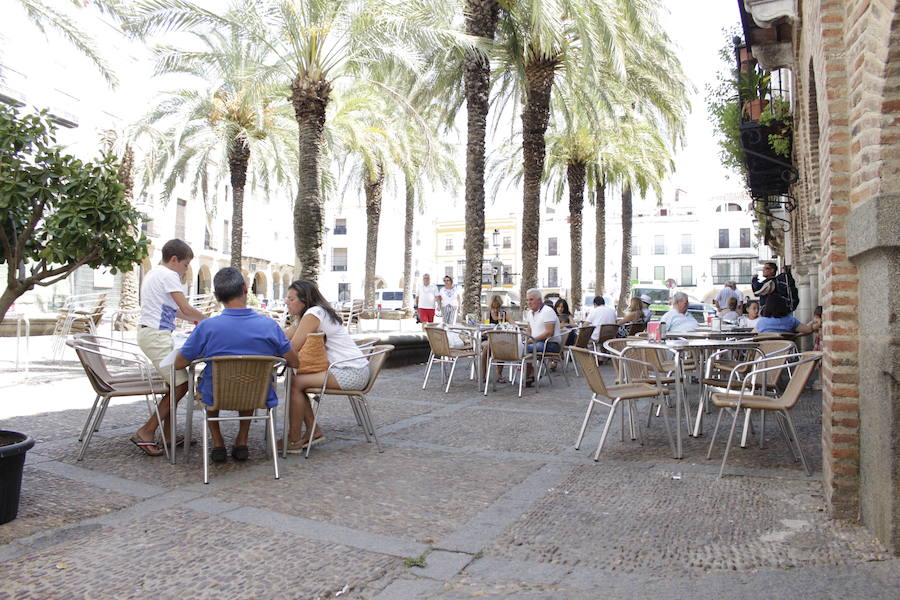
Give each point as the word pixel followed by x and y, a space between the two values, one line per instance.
pixel 49 501
pixel 487 430
pixel 618 519
pixel 420 495
pixel 178 553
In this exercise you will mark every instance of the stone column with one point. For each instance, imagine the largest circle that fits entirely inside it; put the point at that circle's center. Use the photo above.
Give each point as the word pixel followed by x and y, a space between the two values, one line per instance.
pixel 874 247
pixel 805 308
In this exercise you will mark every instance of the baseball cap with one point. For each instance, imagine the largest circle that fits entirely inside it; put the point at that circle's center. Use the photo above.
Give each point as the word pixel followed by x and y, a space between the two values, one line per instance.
pixel 646 299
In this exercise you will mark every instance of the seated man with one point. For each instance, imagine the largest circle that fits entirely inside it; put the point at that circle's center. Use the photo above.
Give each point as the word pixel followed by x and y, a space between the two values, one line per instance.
pixel 238 330
pixel 600 315
pixel 543 326
pixel 676 320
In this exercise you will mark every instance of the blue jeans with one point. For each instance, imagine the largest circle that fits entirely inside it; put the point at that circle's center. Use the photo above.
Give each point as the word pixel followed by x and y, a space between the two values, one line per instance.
pixel 539 347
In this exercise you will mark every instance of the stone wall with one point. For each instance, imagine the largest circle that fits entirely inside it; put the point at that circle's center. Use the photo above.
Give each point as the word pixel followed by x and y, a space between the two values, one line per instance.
pixel 847 130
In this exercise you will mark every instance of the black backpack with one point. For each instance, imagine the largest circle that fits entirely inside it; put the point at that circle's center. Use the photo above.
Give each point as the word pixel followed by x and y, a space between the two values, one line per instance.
pixel 787 289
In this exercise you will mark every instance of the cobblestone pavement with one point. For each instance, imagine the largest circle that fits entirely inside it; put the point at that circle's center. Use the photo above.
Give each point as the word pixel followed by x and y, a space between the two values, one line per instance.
pixel 473 497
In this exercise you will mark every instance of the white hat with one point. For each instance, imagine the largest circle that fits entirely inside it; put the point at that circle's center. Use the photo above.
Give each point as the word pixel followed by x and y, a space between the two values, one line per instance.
pixel 646 299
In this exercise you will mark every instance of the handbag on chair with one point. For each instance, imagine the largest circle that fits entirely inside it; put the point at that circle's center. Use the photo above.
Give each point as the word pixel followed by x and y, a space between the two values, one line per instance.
pixel 313 358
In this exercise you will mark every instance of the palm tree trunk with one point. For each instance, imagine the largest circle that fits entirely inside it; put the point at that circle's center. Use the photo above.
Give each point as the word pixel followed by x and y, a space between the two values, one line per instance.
pixel 600 253
pixel 481 21
pixel 310 99
pixel 407 241
pixel 374 186
pixel 535 117
pixel 575 172
pixel 238 161
pixel 626 248
pixel 128 286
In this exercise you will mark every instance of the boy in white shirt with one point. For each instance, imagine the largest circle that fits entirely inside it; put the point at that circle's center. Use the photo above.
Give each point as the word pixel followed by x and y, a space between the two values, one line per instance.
pixel 162 300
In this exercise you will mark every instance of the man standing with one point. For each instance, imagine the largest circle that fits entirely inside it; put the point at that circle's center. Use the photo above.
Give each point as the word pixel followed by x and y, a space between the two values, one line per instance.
pixel 543 326
pixel 725 294
pixel 677 320
pixel 600 315
pixel 773 283
pixel 237 331
pixel 425 300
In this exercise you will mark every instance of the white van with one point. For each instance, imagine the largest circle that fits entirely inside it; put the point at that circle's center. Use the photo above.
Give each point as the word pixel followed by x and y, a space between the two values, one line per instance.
pixel 389 299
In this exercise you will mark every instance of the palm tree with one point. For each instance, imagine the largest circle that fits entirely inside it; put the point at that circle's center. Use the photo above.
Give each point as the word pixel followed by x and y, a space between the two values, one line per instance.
pixel 318 44
pixel 44 15
pixel 481 21
pixel 234 115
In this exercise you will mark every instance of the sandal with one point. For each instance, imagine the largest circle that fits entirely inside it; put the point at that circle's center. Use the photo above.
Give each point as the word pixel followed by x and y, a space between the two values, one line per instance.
pixel 293 446
pixel 218 454
pixel 149 448
pixel 240 452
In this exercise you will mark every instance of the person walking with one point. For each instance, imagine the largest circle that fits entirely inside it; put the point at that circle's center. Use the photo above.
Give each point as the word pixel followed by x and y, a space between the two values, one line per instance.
pixel 425 300
pixel 449 301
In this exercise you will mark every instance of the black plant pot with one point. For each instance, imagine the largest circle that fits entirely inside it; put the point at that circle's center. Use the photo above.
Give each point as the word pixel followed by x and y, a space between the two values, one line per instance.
pixel 13 446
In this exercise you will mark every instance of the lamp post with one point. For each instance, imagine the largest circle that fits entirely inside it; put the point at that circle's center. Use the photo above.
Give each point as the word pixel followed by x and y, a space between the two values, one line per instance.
pixel 496 263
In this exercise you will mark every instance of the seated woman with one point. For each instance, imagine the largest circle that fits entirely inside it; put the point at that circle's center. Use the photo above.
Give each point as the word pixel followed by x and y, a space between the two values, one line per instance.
pixel 495 316
pixel 777 318
pixel 634 315
pixel 317 316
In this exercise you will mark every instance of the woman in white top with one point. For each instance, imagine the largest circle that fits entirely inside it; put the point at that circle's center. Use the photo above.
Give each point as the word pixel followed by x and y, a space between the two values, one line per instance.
pixel 317 316
pixel 449 301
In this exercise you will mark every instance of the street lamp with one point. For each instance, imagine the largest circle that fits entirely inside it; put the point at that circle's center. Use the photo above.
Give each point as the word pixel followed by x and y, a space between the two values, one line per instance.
pixel 496 263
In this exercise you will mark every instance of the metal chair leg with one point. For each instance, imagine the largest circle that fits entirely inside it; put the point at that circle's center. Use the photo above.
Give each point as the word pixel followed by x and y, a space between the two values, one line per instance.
pixel 609 418
pixel 90 418
pixel 367 417
pixel 584 423
pixel 428 370
pixel 312 431
pixel 270 424
pixel 797 442
pixel 450 378
pixel 728 443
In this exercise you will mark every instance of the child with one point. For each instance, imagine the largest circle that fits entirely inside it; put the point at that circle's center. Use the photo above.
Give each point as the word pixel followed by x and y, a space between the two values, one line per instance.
pixel 162 299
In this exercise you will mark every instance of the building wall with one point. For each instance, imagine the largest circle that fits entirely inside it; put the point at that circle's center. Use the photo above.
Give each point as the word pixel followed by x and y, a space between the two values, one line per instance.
pixel 845 236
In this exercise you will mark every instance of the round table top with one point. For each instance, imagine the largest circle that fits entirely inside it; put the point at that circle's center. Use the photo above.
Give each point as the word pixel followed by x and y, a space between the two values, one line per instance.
pixel 710 334
pixel 695 343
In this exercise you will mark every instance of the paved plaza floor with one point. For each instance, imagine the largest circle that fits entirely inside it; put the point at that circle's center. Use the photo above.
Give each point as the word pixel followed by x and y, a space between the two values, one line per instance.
pixel 473 497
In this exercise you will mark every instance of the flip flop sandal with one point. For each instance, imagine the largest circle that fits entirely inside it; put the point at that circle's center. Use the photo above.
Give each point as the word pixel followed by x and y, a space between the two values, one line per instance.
pixel 240 452
pixel 293 447
pixel 315 441
pixel 149 448
pixel 218 454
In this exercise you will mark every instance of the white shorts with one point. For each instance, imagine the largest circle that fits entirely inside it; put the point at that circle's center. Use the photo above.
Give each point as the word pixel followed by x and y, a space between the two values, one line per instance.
pixel 157 344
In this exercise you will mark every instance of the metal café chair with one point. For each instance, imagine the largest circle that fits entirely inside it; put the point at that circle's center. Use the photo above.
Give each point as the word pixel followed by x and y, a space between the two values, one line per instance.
pixel 612 396
pixel 734 400
pixel 377 356
pixel 582 338
pixel 240 383
pixel 443 353
pixel 506 347
pixel 142 382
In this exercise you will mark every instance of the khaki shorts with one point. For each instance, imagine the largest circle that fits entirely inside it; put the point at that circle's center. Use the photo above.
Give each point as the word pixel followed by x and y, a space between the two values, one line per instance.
pixel 157 344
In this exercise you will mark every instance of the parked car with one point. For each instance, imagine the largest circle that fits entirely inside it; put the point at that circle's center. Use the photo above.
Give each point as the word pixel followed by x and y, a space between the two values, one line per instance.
pixel 660 297
pixel 702 312
pixel 389 299
pixel 588 305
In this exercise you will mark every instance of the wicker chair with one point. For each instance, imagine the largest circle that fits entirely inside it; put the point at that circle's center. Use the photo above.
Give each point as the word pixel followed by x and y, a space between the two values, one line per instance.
pixel 142 381
pixel 241 383
pixel 442 353
pixel 377 356
pixel 582 339
pixel 506 347
pixel 737 400
pixel 611 396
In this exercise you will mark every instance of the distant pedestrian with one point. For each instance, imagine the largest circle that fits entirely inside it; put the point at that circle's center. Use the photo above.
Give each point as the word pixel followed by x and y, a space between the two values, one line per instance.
pixel 449 301
pixel 725 294
pixel 425 300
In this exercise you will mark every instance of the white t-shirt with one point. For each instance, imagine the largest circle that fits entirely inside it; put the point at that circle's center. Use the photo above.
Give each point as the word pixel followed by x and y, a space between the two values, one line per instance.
pixel 538 322
pixel 449 296
pixel 726 294
pixel 731 316
pixel 601 315
pixel 338 343
pixel 158 308
pixel 677 322
pixel 748 322
pixel 425 298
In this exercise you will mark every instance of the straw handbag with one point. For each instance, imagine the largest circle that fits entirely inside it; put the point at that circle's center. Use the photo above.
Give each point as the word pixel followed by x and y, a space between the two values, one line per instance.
pixel 313 358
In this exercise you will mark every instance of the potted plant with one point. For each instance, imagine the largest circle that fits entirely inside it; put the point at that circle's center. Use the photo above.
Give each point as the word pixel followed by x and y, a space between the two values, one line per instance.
pixel 753 87
pixel 13 446
pixel 779 125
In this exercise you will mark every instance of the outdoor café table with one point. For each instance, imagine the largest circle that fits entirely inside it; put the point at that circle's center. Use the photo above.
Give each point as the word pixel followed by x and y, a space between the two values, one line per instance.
pixel 709 334
pixel 678 347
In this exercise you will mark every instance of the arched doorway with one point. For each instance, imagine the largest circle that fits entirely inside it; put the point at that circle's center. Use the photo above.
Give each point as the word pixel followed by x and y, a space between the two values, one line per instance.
pixel 204 280
pixel 259 287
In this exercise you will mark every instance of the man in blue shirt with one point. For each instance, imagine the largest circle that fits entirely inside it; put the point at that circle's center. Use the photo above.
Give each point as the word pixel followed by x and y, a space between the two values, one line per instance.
pixel 238 330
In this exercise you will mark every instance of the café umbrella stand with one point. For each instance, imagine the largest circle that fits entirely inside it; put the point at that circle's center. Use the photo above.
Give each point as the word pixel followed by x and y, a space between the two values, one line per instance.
pixel 13 446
